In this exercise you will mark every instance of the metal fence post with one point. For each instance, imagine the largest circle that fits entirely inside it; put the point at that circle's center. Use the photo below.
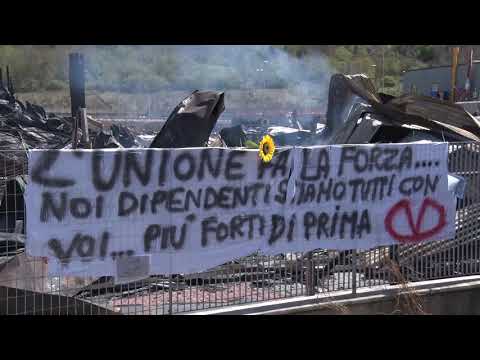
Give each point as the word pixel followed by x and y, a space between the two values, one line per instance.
pixel 393 256
pixel 309 275
pixel 354 272
pixel 170 295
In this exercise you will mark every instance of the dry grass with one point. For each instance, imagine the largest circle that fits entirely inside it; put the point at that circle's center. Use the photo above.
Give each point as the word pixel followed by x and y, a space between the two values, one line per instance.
pixel 407 301
pixel 338 308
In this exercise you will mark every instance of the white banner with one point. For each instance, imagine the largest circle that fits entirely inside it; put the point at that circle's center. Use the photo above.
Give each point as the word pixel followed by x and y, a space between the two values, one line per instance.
pixel 131 213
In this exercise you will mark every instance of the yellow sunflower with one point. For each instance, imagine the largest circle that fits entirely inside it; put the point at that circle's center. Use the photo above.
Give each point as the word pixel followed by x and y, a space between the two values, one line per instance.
pixel 266 149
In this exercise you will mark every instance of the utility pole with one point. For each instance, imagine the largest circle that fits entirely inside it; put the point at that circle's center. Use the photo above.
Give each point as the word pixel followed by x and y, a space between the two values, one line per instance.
pixel 455 53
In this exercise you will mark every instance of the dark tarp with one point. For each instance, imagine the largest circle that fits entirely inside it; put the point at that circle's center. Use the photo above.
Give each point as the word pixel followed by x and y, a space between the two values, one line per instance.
pixel 192 121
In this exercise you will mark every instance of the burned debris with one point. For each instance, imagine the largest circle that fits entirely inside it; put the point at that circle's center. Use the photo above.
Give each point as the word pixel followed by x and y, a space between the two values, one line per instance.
pixel 25 126
pixel 234 136
pixel 356 114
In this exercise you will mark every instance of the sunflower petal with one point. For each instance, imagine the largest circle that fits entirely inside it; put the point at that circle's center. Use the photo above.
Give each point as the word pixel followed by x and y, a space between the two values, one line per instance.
pixel 266 149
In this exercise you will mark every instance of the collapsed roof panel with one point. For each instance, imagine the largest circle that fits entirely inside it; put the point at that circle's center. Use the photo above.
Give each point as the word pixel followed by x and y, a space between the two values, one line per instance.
pixel 353 103
pixel 439 110
pixel 192 121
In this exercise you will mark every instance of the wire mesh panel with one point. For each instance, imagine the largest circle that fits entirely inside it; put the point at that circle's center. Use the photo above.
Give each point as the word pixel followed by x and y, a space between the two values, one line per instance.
pixel 26 288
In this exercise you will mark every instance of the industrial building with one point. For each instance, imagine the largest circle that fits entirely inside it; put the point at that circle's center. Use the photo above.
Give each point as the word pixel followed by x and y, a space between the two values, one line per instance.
pixel 436 80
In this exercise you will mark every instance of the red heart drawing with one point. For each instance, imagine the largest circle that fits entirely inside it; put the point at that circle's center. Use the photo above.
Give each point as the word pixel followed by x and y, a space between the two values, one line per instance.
pixel 416 235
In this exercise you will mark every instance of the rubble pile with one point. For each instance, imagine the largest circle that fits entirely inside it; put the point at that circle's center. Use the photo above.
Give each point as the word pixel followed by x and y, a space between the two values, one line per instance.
pixel 357 114
pixel 28 126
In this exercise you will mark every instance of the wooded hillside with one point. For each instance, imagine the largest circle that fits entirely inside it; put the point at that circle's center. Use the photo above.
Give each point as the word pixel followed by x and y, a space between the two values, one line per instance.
pixel 135 69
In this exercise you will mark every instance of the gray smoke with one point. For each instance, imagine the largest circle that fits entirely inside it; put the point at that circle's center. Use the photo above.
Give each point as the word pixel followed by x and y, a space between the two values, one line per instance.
pixel 258 67
pixel 254 77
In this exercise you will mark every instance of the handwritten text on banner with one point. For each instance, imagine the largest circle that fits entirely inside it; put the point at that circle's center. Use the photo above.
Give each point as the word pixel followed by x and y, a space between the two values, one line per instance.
pixel 187 210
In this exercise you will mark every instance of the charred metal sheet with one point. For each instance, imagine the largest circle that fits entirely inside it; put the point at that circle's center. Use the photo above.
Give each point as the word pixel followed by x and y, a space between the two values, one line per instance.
pixel 192 121
pixel 345 107
pixel 365 129
pixel 438 110
pixel 351 98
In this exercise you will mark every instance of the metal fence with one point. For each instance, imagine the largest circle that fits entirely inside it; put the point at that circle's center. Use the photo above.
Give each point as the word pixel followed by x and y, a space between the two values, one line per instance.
pixel 25 287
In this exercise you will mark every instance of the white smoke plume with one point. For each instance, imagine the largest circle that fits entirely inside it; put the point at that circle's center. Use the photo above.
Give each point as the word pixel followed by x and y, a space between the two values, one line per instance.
pixel 254 77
